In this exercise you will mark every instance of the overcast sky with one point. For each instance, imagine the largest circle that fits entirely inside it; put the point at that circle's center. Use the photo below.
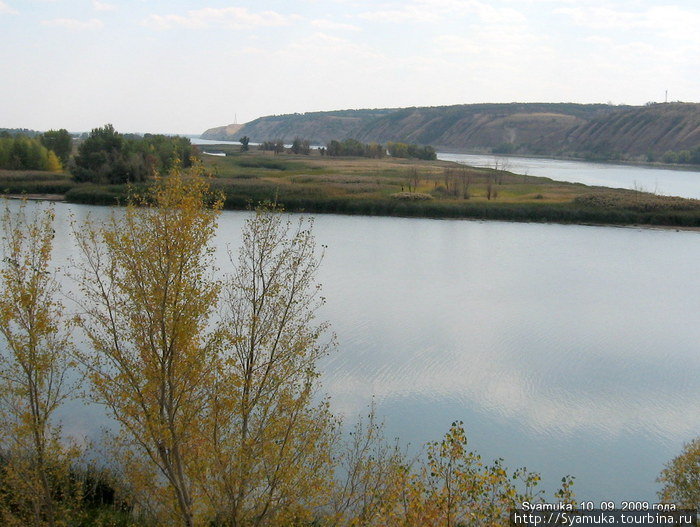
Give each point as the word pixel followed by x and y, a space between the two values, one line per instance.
pixel 184 66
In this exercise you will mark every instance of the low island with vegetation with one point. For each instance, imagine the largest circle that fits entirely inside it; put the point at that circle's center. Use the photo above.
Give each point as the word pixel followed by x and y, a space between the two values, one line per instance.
pixel 345 177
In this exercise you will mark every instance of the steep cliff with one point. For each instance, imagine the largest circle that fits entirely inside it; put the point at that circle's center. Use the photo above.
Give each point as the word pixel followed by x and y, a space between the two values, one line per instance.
pixel 596 130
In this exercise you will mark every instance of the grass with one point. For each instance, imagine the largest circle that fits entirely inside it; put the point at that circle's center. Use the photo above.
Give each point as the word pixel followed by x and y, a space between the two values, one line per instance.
pixel 395 187
pixel 34 182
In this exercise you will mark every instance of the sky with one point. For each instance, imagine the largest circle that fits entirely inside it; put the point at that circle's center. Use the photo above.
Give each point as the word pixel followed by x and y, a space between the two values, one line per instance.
pixel 174 66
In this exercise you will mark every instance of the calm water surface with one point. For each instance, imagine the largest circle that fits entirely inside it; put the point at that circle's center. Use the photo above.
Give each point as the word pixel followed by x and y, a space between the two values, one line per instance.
pixel 566 349
pixel 685 183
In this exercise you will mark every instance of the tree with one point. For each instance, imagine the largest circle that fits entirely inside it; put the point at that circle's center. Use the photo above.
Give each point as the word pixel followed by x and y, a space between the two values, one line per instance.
pixel 412 179
pixel 300 146
pixel 101 158
pixel 296 146
pixel 148 300
pixel 454 488
pixel 25 153
pixel 60 141
pixel 501 165
pixel 372 472
pixel 34 367
pixel 244 143
pixel 53 164
pixel 270 442
pixel 106 156
pixel 334 148
pixel 681 477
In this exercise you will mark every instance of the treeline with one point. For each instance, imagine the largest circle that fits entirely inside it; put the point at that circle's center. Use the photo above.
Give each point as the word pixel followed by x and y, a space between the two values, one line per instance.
pixel 352 147
pixel 211 384
pixel 299 146
pixel 6 132
pixel 24 153
pixel 682 157
pixel 106 156
pixel 411 151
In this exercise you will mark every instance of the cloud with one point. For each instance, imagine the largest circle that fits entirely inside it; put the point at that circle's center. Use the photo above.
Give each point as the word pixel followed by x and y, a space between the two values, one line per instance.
pixel 495 33
pixel 407 13
pixel 227 17
pixel 440 10
pixel 668 21
pixel 6 9
pixel 322 47
pixel 74 24
pixel 330 25
pixel 102 6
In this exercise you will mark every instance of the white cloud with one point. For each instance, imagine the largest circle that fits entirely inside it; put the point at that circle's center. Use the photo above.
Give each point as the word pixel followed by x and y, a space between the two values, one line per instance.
pixel 496 33
pixel 669 21
pixel 102 6
pixel 320 46
pixel 598 40
pixel 74 24
pixel 330 25
pixel 407 13
pixel 6 9
pixel 440 10
pixel 227 17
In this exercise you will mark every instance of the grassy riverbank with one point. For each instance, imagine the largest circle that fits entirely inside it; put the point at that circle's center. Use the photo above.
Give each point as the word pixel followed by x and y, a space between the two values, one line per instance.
pixel 393 187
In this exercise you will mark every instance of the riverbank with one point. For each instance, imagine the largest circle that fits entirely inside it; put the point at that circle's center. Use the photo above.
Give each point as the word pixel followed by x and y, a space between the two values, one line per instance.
pixel 393 187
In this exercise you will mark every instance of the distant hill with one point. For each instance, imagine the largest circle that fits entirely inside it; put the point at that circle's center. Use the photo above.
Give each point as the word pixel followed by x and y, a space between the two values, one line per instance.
pixel 559 129
pixel 230 132
pixel 319 127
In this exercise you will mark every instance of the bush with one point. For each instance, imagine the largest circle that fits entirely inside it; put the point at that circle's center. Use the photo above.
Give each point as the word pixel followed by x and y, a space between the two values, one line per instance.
pixel 411 196
pixel 681 477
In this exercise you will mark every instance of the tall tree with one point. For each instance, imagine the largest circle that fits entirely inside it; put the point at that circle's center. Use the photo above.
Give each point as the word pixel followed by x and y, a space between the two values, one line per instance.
pixel 244 143
pixel 60 141
pixel 35 359
pixel 270 441
pixel 149 297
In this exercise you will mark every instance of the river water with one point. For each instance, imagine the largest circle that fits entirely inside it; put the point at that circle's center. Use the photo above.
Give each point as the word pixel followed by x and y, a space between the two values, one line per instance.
pixel 567 349
pixel 670 182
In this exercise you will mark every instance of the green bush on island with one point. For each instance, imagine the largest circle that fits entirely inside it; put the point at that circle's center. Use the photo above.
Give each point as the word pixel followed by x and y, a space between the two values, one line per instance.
pixel 353 147
pixel 106 156
pixel 411 151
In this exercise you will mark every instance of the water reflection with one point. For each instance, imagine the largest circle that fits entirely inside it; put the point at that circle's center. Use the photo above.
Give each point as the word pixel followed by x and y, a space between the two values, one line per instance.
pixel 572 350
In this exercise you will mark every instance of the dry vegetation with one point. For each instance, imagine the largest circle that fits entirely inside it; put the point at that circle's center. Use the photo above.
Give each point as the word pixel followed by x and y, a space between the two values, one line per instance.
pixel 392 187
pixel 432 189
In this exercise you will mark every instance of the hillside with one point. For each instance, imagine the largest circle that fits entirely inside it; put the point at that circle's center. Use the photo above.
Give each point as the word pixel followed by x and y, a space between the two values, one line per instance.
pixel 320 127
pixel 585 130
pixel 655 128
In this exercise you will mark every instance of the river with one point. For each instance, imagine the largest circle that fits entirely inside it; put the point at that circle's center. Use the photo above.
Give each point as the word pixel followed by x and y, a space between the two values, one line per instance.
pixel 667 181
pixel 567 349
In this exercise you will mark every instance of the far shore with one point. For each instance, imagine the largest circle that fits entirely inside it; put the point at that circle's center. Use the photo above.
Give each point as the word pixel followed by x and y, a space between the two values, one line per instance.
pixel 388 187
